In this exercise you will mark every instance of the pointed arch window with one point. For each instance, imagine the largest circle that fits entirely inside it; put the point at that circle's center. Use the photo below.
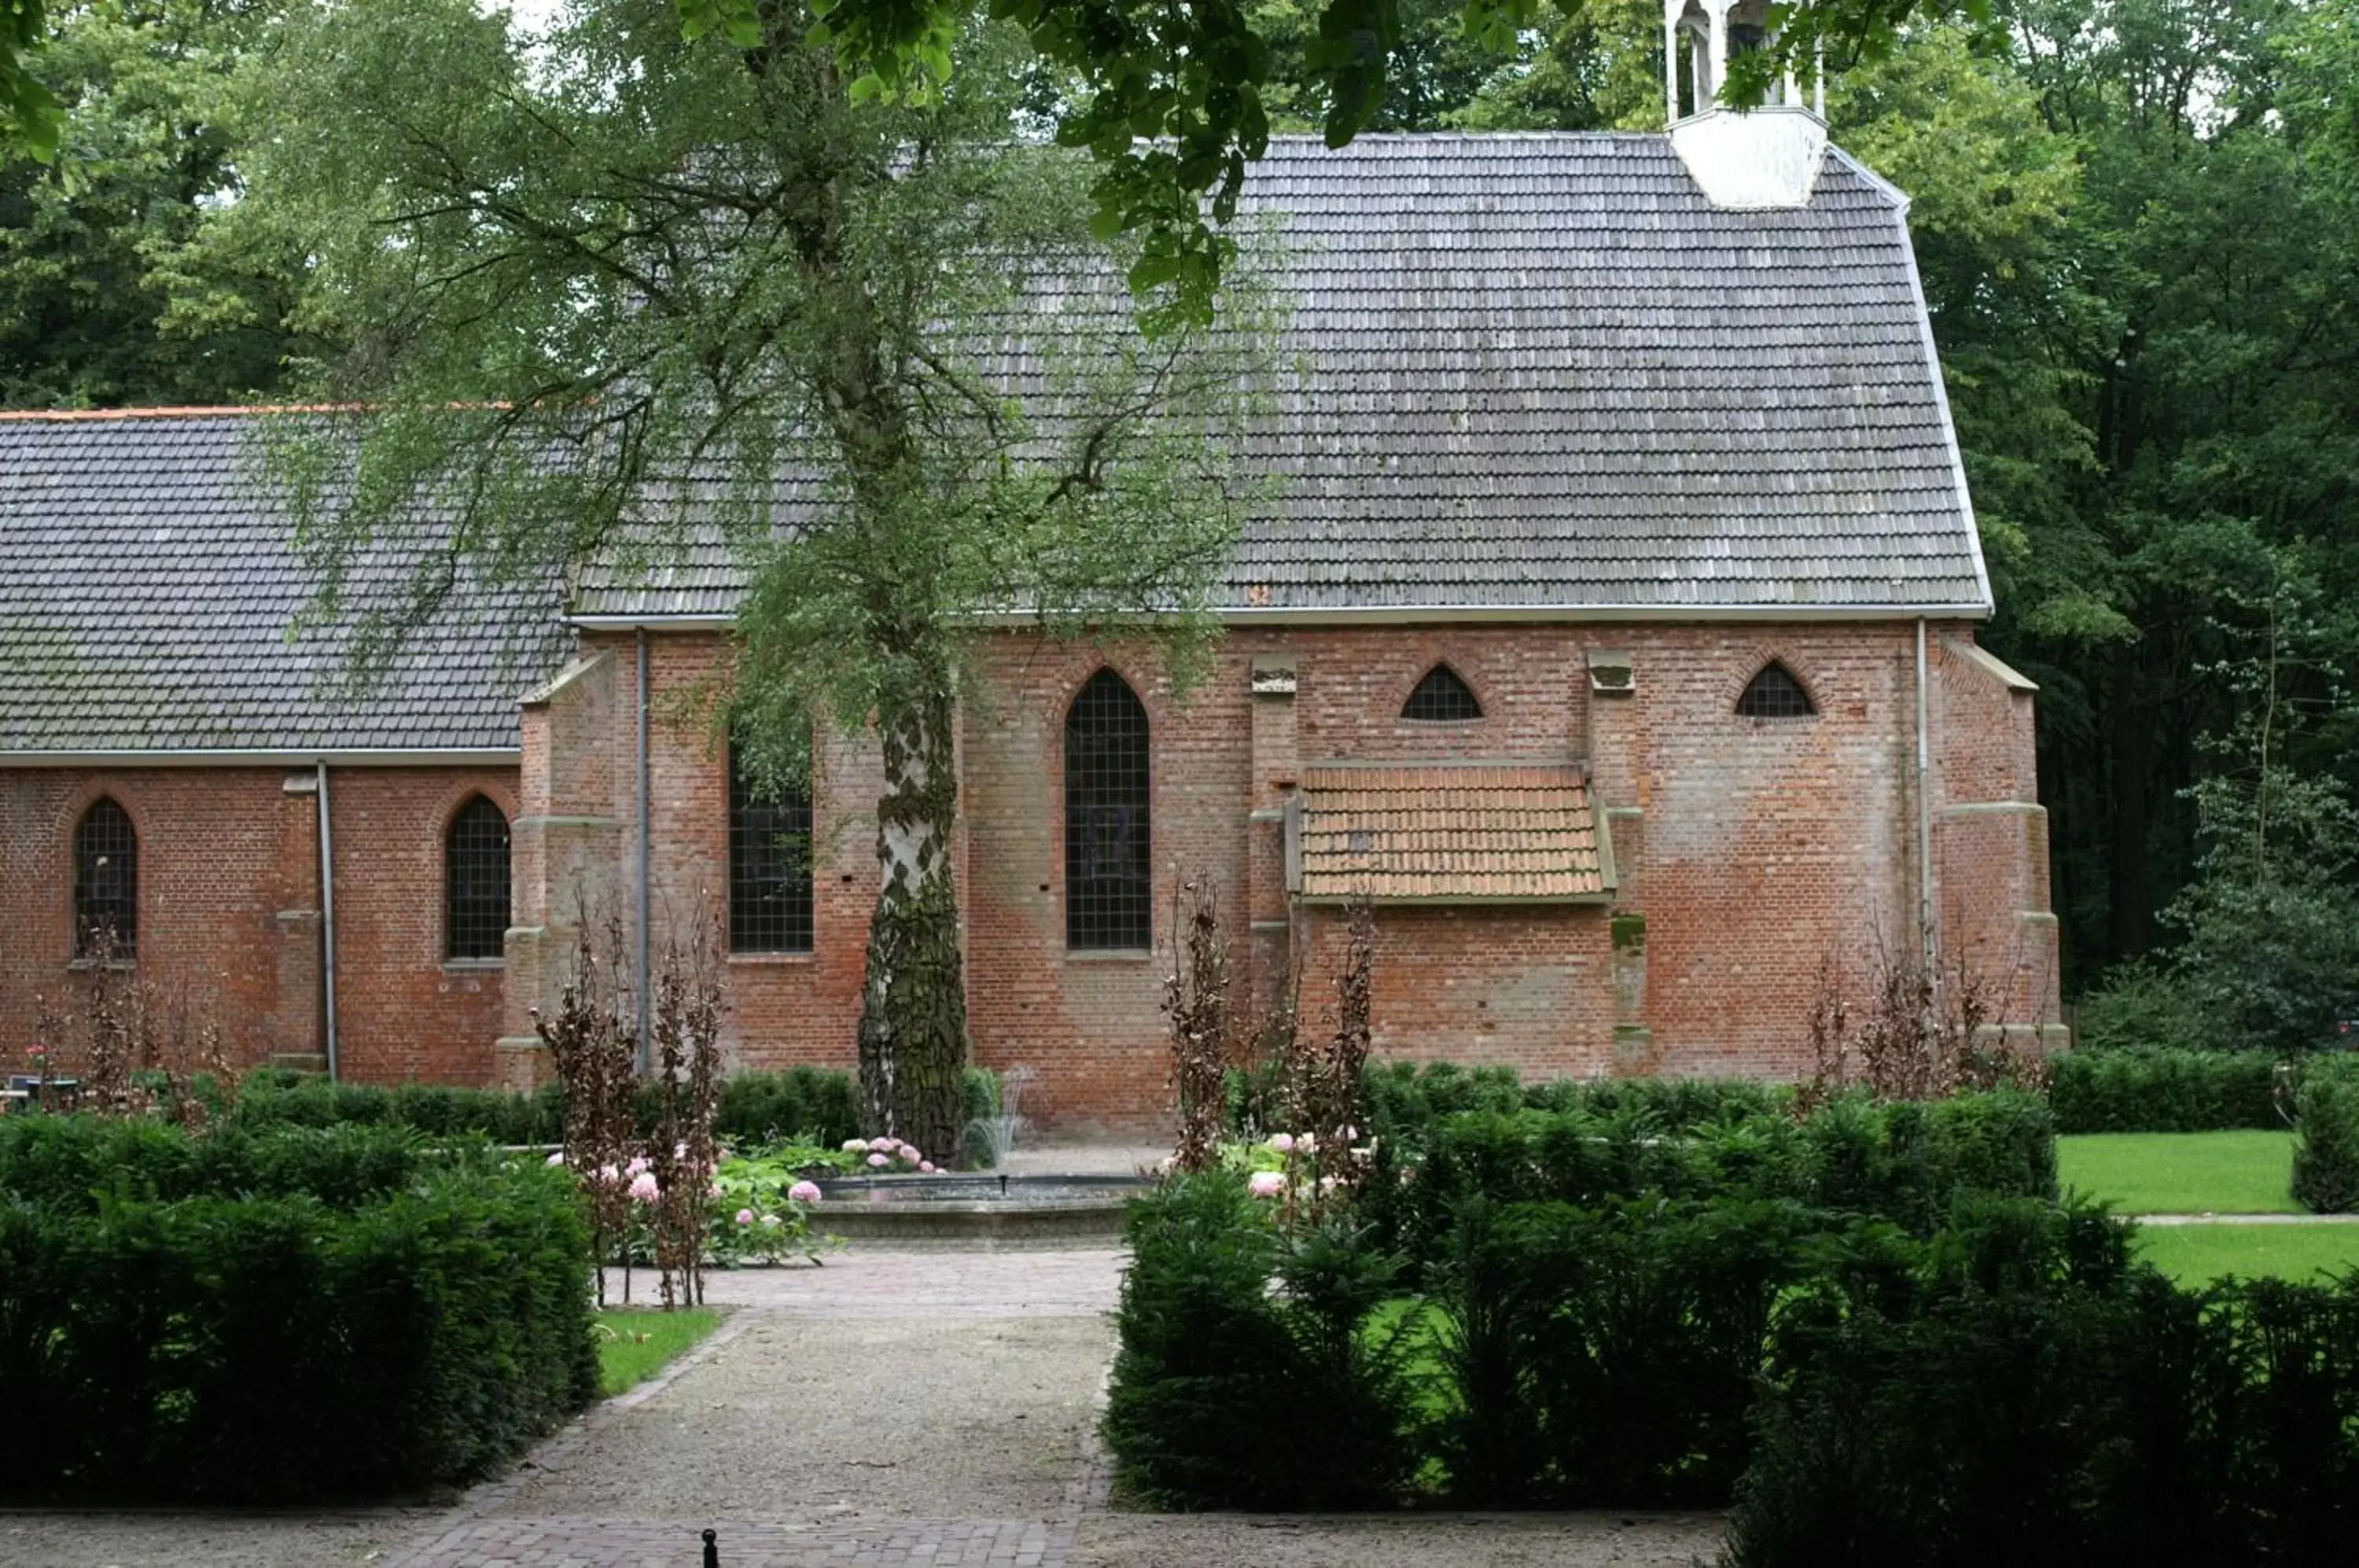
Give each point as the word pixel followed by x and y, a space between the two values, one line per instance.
pixel 1774 694
pixel 1109 869
pixel 1442 697
pixel 105 882
pixel 772 906
pixel 475 883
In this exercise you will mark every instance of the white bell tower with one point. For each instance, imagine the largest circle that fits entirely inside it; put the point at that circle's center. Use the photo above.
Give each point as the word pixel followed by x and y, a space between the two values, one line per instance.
pixel 1767 157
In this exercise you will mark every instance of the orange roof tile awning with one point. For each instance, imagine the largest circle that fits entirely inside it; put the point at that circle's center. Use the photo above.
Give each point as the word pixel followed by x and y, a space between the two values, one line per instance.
pixel 1448 834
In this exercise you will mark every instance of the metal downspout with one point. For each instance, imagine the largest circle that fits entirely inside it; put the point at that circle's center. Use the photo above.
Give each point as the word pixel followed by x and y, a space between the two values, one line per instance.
pixel 1924 817
pixel 646 1048
pixel 327 921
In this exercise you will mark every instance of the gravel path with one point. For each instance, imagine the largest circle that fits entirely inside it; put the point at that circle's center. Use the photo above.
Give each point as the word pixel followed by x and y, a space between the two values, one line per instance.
pixel 930 1408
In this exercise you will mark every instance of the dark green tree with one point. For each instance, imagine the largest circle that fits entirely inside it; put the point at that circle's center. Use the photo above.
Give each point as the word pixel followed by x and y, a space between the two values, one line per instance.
pixel 610 286
pixel 103 299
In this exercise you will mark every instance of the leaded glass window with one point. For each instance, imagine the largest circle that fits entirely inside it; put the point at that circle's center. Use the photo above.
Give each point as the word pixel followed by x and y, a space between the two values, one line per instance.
pixel 770 896
pixel 475 882
pixel 1109 867
pixel 1442 696
pixel 107 882
pixel 1775 694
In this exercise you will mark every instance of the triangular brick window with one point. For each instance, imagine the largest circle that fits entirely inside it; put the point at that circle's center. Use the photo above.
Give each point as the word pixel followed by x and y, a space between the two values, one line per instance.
pixel 1775 694
pixel 1442 696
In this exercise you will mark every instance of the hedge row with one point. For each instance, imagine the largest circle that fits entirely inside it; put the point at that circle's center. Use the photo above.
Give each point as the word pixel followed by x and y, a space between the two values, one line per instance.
pixel 2165 1091
pixel 2012 1389
pixel 820 1104
pixel 1905 1162
pixel 195 1324
pixel 78 1163
pixel 2326 1156
pixel 2092 1090
pixel 1407 1099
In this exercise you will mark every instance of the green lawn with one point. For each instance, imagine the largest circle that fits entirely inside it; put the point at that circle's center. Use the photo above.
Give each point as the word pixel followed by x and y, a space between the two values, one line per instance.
pixel 634 1343
pixel 2195 1254
pixel 2182 1172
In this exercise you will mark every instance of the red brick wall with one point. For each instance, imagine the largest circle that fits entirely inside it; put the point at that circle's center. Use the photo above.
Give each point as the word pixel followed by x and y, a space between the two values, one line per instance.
pixel 229 901
pixel 403 1012
pixel 1990 836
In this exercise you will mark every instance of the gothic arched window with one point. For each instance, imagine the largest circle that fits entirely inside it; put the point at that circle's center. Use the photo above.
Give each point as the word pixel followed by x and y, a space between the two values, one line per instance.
pixel 475 882
pixel 1774 694
pixel 1442 696
pixel 1109 867
pixel 105 882
pixel 771 907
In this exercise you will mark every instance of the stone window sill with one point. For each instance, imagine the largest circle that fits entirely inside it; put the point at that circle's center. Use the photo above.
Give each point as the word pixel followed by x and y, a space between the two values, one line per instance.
pixel 1110 955
pixel 86 965
pixel 473 965
pixel 759 959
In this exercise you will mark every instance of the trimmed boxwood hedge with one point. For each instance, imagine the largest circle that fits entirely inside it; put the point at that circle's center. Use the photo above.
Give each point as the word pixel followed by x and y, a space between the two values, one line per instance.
pixel 816 1103
pixel 2165 1091
pixel 1906 1162
pixel 264 1317
pixel 2013 1388
pixel 2326 1156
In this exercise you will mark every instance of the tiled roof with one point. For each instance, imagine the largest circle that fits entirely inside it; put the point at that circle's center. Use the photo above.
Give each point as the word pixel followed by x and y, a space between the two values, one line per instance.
pixel 1544 372
pixel 1449 834
pixel 149 590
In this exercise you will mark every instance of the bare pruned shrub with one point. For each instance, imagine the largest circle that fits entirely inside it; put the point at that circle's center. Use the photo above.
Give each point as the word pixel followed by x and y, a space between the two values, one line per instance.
pixel 682 1152
pixel 1196 1002
pixel 590 1044
pixel 1910 1030
pixel 132 1048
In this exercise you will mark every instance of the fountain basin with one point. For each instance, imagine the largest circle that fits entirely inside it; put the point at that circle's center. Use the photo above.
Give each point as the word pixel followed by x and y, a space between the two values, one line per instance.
pixel 981 1211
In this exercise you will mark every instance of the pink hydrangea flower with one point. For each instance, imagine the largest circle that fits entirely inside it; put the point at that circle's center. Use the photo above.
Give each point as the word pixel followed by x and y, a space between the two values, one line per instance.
pixel 882 1145
pixel 1282 1141
pixel 800 1193
pixel 556 1159
pixel 744 1217
pixel 879 1161
pixel 1265 1185
pixel 926 1166
pixel 609 1177
pixel 644 1189
pixel 638 1165
pixel 909 1151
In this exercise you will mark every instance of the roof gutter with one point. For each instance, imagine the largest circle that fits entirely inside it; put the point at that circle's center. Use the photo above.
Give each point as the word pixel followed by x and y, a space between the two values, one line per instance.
pixel 1415 614
pixel 271 757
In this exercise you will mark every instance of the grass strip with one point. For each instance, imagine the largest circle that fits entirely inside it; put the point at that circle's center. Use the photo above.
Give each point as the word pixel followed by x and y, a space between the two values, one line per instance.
pixel 2182 1172
pixel 634 1344
pixel 2197 1255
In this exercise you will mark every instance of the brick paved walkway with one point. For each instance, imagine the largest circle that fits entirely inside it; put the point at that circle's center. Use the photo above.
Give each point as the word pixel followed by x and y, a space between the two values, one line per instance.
pixel 616 1543
pixel 888 1315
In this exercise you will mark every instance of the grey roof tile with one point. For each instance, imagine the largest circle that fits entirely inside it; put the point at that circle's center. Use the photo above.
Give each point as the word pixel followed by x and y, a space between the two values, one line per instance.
pixel 1544 370
pixel 148 599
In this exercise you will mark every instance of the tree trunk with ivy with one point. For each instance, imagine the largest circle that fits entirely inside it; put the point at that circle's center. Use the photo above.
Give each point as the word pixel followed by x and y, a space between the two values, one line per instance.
pixel 913 1006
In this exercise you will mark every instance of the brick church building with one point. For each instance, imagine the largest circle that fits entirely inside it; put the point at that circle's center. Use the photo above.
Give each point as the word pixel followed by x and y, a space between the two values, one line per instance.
pixel 1611 630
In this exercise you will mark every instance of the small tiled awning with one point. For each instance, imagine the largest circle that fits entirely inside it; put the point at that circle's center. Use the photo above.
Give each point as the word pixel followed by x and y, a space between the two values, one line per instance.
pixel 1448 834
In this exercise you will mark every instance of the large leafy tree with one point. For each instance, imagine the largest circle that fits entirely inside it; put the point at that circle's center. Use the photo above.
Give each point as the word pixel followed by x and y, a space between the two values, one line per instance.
pixel 610 286
pixel 103 296
pixel 1171 98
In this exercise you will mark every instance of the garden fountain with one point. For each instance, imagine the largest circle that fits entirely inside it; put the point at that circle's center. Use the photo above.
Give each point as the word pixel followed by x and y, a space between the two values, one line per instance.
pixel 989 1139
pixel 986 1208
